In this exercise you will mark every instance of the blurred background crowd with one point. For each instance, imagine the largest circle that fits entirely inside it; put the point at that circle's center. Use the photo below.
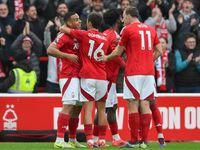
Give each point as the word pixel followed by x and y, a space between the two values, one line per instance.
pixel 31 25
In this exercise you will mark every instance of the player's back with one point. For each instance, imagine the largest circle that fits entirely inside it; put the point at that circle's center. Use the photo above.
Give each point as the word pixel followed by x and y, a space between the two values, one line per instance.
pixel 94 44
pixel 112 66
pixel 141 39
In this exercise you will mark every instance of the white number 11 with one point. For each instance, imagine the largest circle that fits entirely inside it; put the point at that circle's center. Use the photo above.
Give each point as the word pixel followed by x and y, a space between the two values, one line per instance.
pixel 143 41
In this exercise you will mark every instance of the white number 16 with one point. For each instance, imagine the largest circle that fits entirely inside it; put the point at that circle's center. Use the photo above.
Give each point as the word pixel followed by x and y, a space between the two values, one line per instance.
pixel 98 50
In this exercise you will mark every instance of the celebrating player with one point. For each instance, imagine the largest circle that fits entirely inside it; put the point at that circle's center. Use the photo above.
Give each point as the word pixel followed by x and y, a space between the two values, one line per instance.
pixel 139 40
pixel 93 45
pixel 112 18
pixel 66 48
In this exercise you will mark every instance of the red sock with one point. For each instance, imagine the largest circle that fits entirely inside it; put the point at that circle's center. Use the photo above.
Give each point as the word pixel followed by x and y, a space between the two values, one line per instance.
pixel 140 127
pixel 134 122
pixel 62 123
pixel 96 130
pixel 114 128
pixel 102 132
pixel 88 131
pixel 73 125
pixel 145 121
pixel 156 117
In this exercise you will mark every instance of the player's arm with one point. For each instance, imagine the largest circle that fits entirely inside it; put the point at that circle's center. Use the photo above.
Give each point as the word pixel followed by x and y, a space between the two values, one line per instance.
pixel 54 51
pixel 65 29
pixel 158 51
pixel 116 53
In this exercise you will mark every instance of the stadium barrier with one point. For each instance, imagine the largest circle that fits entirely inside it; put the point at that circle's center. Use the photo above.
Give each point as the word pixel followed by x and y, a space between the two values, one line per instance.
pixel 180 113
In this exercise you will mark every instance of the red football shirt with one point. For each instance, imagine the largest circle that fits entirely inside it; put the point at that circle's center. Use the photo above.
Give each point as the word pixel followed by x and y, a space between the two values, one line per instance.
pixel 112 66
pixel 93 45
pixel 139 40
pixel 68 45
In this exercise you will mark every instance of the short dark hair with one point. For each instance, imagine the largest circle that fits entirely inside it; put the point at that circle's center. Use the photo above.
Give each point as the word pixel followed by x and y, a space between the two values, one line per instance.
pixel 125 0
pixel 27 7
pixel 190 35
pixel 68 15
pixel 132 11
pixel 163 37
pixel 95 19
pixel 192 1
pixel 60 3
pixel 111 16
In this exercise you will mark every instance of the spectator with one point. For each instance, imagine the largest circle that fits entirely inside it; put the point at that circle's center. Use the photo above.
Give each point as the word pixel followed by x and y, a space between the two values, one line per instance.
pixel 6 25
pixel 46 8
pixel 187 20
pixel 58 21
pixel 30 43
pixel 22 78
pixel 15 6
pixel 52 85
pixel 4 58
pixel 165 69
pixel 164 28
pixel 74 5
pixel 110 4
pixel 145 7
pixel 37 24
pixel 187 77
pixel 97 6
pixel 179 5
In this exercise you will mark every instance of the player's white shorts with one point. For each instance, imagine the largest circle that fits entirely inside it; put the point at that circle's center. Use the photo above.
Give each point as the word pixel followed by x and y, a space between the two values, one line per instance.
pixel 112 95
pixel 70 89
pixel 139 87
pixel 93 90
pixel 155 89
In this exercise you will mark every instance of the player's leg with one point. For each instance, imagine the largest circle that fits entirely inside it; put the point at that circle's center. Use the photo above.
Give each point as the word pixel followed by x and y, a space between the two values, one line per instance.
pixel 134 121
pixel 73 125
pixel 62 123
pixel 96 130
pixel 112 120
pixel 158 122
pixel 145 121
pixel 66 86
pixel 102 122
pixel 101 96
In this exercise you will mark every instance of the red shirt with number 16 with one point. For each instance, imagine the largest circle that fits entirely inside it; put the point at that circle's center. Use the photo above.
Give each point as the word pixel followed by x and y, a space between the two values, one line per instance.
pixel 92 45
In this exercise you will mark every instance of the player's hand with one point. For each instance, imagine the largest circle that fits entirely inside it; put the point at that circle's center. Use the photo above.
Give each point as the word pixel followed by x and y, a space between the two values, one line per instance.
pixel 62 28
pixel 116 41
pixel 74 58
pixel 104 58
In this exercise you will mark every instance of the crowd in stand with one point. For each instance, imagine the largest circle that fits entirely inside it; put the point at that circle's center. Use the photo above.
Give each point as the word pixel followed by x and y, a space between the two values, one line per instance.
pixel 31 25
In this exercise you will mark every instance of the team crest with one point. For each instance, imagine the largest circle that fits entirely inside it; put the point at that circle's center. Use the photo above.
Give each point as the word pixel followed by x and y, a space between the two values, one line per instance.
pixel 73 95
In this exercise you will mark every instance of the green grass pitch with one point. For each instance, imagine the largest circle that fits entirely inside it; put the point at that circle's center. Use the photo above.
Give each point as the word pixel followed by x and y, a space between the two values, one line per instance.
pixel 49 146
